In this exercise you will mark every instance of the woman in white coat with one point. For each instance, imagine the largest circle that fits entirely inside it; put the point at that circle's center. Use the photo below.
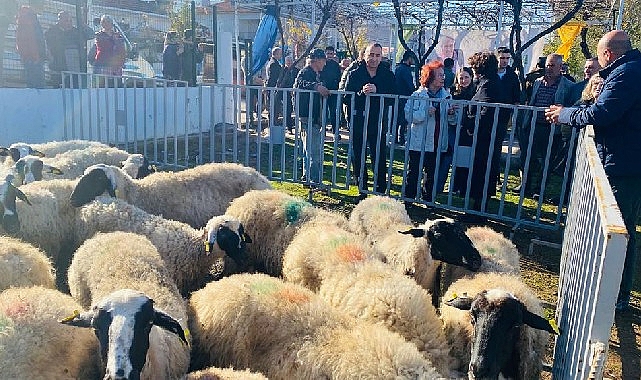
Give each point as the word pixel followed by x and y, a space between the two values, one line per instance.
pixel 428 133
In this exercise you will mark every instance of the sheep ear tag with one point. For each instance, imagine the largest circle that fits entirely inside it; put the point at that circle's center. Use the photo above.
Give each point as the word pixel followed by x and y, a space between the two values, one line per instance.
pixel 70 318
pixel 554 326
pixel 463 303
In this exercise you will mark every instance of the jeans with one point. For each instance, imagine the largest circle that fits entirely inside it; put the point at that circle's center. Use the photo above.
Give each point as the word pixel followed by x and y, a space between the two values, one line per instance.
pixel 313 138
pixel 626 191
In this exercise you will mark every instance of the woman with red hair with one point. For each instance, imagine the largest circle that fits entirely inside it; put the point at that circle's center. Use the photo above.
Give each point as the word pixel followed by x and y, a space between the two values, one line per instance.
pixel 428 114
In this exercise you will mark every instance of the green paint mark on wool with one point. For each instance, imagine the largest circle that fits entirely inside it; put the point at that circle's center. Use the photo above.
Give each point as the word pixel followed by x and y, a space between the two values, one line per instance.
pixel 264 287
pixel 6 324
pixel 337 242
pixel 491 250
pixel 384 206
pixel 294 210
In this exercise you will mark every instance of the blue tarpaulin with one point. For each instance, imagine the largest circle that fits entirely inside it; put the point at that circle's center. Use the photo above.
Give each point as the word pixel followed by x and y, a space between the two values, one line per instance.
pixel 264 39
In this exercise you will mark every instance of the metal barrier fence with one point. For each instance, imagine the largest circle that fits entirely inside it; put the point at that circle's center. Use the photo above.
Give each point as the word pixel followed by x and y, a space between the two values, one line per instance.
pixel 178 126
pixel 594 246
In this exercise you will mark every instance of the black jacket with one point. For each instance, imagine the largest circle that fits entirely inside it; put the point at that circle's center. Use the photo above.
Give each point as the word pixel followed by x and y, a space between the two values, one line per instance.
pixel 385 83
pixel 331 74
pixel 273 72
pixel 308 79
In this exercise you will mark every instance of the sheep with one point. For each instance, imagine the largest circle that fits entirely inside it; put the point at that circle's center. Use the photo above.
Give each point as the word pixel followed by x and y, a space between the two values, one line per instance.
pixel 33 345
pixel 287 332
pixel 182 248
pixel 54 148
pixel 336 264
pixel 191 196
pixel 384 224
pixel 122 276
pixel 272 218
pixel 72 164
pixel 23 265
pixel 493 325
pixel 498 255
pixel 213 373
pixel 11 155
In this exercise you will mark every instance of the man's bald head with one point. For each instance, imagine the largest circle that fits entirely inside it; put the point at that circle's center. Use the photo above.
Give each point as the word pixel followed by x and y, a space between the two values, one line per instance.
pixel 612 45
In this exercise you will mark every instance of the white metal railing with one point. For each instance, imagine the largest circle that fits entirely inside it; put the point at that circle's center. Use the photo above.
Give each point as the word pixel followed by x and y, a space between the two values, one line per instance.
pixel 594 246
pixel 179 126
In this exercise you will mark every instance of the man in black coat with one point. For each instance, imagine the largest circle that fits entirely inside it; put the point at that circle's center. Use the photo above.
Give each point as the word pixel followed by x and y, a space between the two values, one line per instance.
pixel 367 79
pixel 404 86
pixel 67 47
pixel 331 76
pixel 274 70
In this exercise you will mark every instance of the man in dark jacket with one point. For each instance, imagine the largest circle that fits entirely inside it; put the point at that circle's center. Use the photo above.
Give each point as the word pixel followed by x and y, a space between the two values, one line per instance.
pixel 67 47
pixel 309 78
pixel 274 71
pixel 617 132
pixel 331 76
pixel 370 78
pixel 404 86
pixel 509 93
pixel 286 80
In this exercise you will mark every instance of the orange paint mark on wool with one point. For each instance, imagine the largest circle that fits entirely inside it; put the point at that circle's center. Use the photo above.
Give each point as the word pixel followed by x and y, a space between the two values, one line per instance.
pixel 350 253
pixel 18 309
pixel 293 295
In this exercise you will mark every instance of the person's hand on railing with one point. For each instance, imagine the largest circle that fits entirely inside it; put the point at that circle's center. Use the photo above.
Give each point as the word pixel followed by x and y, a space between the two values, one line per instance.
pixel 552 113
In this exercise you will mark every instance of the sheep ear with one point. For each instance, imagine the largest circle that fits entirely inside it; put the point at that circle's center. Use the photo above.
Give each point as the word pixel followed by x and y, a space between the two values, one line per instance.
pixel 166 322
pixel 78 319
pixel 415 232
pixel 538 322
pixel 460 302
pixel 21 195
pixel 4 151
pixel 246 238
pixel 54 170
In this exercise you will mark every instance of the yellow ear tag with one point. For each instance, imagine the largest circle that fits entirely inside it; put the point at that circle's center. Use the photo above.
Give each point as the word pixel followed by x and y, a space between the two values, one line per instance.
pixel 117 193
pixel 552 323
pixel 70 318
pixel 187 337
pixel 206 246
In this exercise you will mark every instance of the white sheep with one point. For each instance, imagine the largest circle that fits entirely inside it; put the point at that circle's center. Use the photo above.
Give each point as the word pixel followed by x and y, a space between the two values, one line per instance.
pixel 23 265
pixel 54 148
pixel 493 324
pixel 43 216
pixel 191 196
pixel 498 255
pixel 287 332
pixel 272 218
pixel 135 305
pixel 16 151
pixel 347 275
pixel 72 164
pixel 34 345
pixel 182 247
pixel 213 373
pixel 384 223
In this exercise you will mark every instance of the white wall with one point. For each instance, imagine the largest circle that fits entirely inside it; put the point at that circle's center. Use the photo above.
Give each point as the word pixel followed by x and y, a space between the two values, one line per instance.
pixel 30 115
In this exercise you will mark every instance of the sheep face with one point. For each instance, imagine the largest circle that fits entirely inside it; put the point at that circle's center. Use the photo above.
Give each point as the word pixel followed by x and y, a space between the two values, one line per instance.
pixel 8 195
pixel 30 168
pixel 96 180
pixel 138 166
pixel 449 243
pixel 19 150
pixel 229 234
pixel 498 318
pixel 122 322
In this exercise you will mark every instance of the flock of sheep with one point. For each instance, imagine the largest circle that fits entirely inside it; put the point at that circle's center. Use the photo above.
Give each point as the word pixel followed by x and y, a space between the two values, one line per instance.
pixel 110 270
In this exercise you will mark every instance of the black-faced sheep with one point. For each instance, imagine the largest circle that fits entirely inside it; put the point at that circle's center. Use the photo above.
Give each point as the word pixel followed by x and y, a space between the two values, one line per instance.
pixel 287 332
pixel 23 265
pixel 384 223
pixel 272 218
pixel 188 253
pixel 191 196
pixel 338 265
pixel 137 312
pixel 34 345
pixel 493 325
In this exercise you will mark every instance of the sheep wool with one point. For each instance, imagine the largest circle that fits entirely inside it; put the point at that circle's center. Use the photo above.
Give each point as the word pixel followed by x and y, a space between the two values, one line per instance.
pixel 272 218
pixel 190 196
pixel 23 265
pixel 213 373
pixel 286 332
pixel 458 328
pixel 109 262
pixel 54 148
pixel 498 255
pixel 180 246
pixel 34 345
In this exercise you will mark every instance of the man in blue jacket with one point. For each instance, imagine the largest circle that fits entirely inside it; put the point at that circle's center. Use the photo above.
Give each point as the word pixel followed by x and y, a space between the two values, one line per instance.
pixel 615 116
